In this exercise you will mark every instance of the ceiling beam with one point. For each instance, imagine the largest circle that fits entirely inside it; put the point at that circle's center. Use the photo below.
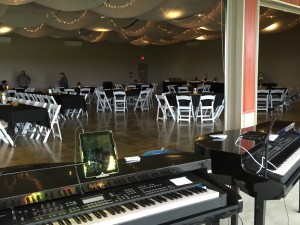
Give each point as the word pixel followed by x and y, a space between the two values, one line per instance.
pixel 280 5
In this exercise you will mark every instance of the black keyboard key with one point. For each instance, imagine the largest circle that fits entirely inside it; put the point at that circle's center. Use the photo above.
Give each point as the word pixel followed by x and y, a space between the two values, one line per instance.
pixel 152 202
pixel 82 218
pixel 88 217
pixel 67 221
pixel 102 213
pixel 116 210
pixel 128 206
pixel 134 205
pixel 188 192
pixel 112 212
pixel 61 222
pixel 174 195
pixel 163 198
pixel 157 199
pixel 77 219
pixel 177 194
pixel 195 190
pixel 147 202
pixel 183 193
pixel 121 208
pixel 98 215
pixel 141 203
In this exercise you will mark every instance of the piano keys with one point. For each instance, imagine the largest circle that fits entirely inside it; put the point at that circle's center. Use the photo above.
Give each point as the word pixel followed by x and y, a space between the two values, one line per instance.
pixel 176 189
pixel 284 157
pixel 229 164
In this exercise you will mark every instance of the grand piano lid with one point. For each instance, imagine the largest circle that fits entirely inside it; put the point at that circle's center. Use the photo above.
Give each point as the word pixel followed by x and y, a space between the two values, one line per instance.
pixel 228 144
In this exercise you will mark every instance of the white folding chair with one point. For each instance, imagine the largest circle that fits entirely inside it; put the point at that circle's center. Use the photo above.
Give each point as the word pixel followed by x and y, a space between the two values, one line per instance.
pixel 144 86
pixel 29 89
pixel 120 104
pixel 131 86
pixel 171 88
pixel 161 113
pixel 88 92
pixel 142 101
pixel 150 97
pixel 34 129
pixel 11 99
pixel 154 86
pixel 276 96
pixel 263 97
pixel 69 91
pixel 22 101
pixel 103 103
pixel 11 93
pixel 206 87
pixel 185 109
pixel 170 112
pixel 21 95
pixel 51 99
pixel 4 135
pixel 287 94
pixel 81 111
pixel 119 86
pixel 219 109
pixel 54 124
pixel 205 109
pixel 183 89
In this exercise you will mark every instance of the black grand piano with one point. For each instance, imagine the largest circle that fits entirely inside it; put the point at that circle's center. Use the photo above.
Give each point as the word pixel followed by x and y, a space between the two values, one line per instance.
pixel 159 189
pixel 241 164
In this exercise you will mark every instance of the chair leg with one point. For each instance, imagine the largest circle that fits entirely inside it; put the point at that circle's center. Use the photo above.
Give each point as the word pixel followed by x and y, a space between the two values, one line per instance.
pixel 7 138
pixel 47 135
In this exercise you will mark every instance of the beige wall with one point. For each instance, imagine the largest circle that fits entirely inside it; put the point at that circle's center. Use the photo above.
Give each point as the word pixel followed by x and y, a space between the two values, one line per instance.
pixel 92 63
pixel 279 58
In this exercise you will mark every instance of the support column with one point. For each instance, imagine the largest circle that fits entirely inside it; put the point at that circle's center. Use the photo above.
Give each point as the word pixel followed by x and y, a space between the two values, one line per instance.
pixel 241 60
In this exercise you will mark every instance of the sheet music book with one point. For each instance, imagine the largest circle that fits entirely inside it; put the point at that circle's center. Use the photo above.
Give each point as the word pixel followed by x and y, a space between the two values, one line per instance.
pixel 99 153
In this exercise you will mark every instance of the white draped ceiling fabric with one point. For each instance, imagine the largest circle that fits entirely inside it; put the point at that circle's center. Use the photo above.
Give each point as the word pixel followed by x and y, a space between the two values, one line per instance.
pixel 139 22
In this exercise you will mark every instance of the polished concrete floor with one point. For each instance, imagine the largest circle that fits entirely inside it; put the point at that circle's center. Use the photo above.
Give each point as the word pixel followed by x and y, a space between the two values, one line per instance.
pixel 136 133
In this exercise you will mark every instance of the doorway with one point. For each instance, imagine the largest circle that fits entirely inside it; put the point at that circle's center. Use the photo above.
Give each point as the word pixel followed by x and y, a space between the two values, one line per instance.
pixel 143 73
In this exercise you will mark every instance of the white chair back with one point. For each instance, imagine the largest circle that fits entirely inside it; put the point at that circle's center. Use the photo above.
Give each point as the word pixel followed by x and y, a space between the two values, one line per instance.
pixel 185 109
pixel 120 103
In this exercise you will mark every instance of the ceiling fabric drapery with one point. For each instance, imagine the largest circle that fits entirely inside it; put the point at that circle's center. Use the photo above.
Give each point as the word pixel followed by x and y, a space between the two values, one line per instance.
pixel 138 22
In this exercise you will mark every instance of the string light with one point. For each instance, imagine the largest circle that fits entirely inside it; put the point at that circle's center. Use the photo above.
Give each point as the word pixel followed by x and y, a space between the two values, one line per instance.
pixel 165 42
pixel 138 31
pixel 295 22
pixel 145 40
pixel 166 30
pixel 119 6
pixel 33 30
pixel 70 22
pixel 92 37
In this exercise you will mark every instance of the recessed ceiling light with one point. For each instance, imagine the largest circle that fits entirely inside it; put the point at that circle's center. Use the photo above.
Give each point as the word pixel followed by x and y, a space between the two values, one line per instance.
pixel 202 37
pixel 102 29
pixel 173 14
pixel 205 28
pixel 272 27
pixel 5 29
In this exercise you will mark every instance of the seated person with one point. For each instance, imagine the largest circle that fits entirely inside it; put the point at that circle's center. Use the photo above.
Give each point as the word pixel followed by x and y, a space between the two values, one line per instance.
pixel 3 86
